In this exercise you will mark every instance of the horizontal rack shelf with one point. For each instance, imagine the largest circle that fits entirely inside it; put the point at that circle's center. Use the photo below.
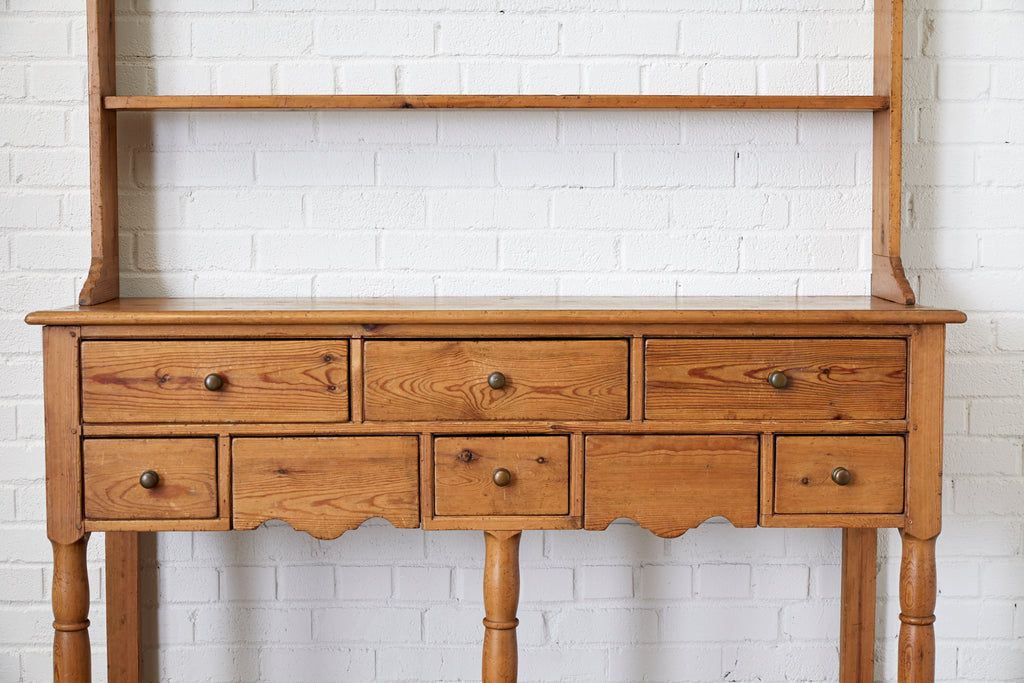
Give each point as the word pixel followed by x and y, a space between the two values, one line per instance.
pixel 753 102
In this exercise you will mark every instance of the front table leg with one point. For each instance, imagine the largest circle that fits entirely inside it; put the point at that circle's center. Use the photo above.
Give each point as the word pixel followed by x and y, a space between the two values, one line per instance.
pixel 72 658
pixel 918 590
pixel 501 600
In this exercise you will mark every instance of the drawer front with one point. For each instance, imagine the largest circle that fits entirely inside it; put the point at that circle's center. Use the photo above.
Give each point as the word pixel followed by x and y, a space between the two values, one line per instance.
pixel 180 479
pixel 810 471
pixel 215 381
pixel 325 485
pixel 495 475
pixel 763 379
pixel 496 380
pixel 669 484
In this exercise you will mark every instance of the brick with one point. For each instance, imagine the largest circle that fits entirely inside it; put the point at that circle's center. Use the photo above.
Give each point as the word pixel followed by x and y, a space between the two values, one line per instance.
pixel 304 251
pixel 305 582
pixel 511 35
pixel 483 127
pixel 809 621
pixel 591 626
pixel 34 37
pixel 363 582
pixel 304 78
pixel 673 251
pixel 314 168
pixel 208 663
pixel 21 584
pixel 378 127
pixel 731 36
pixel 471 251
pixel 242 78
pixel 13 81
pixel 605 582
pixel 366 35
pixel 555 169
pixel 490 208
pixel 200 167
pixel 619 35
pixel 423 584
pixel 722 581
pixel 963 80
pixel 433 167
pixel 665 663
pixel 248 584
pixel 306 665
pixel 251 625
pixel 358 625
pixel 672 169
pixel 700 622
pixel 974 34
pixel 237 36
pixel 666 582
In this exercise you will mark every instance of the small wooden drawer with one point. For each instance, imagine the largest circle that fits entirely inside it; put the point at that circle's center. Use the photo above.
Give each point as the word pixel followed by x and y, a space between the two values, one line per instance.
pixel 839 474
pixel 325 485
pixel 150 478
pixel 669 484
pixel 496 380
pixel 785 379
pixel 215 381
pixel 501 475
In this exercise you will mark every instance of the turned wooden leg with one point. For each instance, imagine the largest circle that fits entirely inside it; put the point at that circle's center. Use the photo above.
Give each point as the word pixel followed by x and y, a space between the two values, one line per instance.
pixel 918 590
pixel 501 600
pixel 122 562
pixel 857 635
pixel 72 658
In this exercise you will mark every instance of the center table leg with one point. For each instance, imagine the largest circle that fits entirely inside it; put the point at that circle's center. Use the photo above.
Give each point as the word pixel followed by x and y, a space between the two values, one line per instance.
pixel 501 600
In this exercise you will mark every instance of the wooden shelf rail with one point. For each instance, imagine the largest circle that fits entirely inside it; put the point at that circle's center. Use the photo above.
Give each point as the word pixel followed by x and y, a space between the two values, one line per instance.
pixel 872 103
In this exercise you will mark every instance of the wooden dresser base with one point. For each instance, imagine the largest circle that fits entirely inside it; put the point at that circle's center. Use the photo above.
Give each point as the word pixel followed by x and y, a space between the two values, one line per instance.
pixel 498 416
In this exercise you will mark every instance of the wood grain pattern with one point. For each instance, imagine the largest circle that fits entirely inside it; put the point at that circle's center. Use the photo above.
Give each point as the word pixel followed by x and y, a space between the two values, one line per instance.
pixel 162 381
pixel 728 379
pixel 670 484
pixel 858 598
pixel 325 486
pixel 888 279
pixel 188 478
pixel 103 281
pixel 447 380
pixel 72 654
pixel 500 661
pixel 464 468
pixel 918 592
pixel 804 465
pixel 63 434
pixel 122 586
pixel 756 102
pixel 533 311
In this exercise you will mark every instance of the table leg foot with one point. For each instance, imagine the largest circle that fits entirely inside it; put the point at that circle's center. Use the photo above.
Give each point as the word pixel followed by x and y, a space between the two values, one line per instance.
pixel 501 600
pixel 918 591
pixel 72 656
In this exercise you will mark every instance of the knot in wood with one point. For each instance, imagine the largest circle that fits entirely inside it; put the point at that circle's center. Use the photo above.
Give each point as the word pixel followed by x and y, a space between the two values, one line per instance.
pixel 466 456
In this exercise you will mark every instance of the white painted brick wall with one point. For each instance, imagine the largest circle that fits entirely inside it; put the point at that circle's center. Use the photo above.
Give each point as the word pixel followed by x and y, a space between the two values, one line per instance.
pixel 461 202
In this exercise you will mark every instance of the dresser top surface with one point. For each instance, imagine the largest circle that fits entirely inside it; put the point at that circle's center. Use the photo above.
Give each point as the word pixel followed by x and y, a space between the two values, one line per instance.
pixel 477 310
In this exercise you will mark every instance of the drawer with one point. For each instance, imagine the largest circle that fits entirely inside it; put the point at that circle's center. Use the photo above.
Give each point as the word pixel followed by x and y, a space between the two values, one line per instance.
pixel 765 379
pixel 150 478
pixel 496 380
pixel 669 484
pixel 501 475
pixel 810 472
pixel 215 381
pixel 325 485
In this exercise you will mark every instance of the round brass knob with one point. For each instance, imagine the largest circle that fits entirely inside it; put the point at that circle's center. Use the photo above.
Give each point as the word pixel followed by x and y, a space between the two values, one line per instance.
pixel 778 379
pixel 496 380
pixel 502 477
pixel 841 476
pixel 213 381
pixel 149 479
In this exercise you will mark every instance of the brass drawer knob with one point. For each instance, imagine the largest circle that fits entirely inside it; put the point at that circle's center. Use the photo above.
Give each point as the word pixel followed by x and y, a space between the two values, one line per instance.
pixel 213 381
pixel 778 379
pixel 496 380
pixel 149 479
pixel 502 477
pixel 841 476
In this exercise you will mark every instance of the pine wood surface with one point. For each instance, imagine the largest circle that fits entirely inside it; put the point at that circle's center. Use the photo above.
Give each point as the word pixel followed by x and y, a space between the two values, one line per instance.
pixel 842 310
pixel 72 654
pixel 187 471
pixel 63 432
pixel 464 468
pixel 670 484
pixel 857 613
pixel 804 465
pixel 728 378
pixel 163 381
pixel 448 380
pixel 122 588
pixel 755 102
pixel 325 486
pixel 500 661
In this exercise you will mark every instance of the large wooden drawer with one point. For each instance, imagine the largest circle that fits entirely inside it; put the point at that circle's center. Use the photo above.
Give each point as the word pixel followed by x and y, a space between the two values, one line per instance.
pixel 150 478
pixel 501 475
pixel 496 380
pixel 839 474
pixel 669 484
pixel 786 379
pixel 325 485
pixel 215 381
